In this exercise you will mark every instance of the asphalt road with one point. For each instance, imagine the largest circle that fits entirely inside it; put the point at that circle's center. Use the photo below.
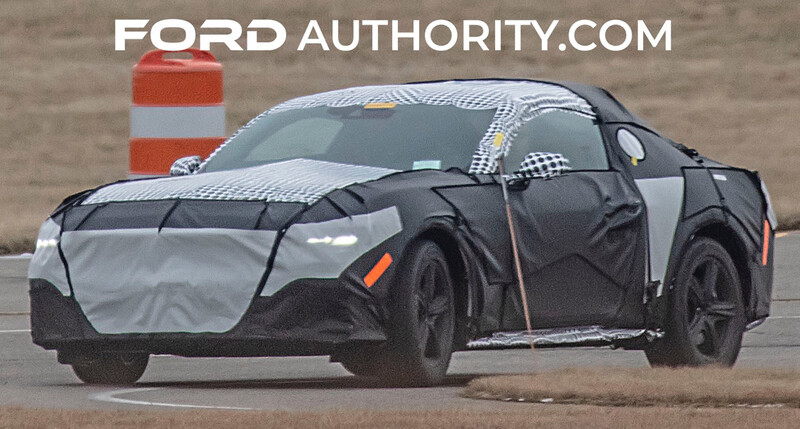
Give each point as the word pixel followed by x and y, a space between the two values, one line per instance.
pixel 31 377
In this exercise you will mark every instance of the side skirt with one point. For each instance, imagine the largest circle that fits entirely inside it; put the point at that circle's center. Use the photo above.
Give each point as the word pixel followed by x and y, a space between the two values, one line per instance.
pixel 565 337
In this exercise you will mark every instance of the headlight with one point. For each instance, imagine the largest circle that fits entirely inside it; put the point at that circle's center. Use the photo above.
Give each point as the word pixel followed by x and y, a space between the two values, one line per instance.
pixel 46 262
pixel 342 240
pixel 46 243
pixel 323 250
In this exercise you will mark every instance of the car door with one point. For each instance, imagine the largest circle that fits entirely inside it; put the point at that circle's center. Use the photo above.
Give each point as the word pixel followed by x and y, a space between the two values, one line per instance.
pixel 580 234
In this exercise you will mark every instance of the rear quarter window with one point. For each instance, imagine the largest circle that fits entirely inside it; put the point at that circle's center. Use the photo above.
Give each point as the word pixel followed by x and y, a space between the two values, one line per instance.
pixel 576 137
pixel 661 160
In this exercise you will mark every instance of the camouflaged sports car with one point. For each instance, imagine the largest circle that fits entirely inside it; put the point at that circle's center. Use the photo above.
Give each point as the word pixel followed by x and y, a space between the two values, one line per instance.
pixel 368 224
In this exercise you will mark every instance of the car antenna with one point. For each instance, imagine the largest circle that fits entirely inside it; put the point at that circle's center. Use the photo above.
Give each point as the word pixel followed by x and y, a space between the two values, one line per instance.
pixel 499 157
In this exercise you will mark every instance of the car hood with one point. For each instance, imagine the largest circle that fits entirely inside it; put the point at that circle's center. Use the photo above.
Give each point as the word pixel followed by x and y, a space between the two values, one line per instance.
pixel 293 181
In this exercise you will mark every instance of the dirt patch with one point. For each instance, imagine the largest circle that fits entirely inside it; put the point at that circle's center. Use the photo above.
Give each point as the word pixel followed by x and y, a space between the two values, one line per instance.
pixel 523 416
pixel 729 87
pixel 789 223
pixel 642 387
pixel 16 245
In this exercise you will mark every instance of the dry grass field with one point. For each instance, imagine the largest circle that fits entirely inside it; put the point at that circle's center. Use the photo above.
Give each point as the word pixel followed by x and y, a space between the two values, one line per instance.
pixel 520 416
pixel 646 387
pixel 729 87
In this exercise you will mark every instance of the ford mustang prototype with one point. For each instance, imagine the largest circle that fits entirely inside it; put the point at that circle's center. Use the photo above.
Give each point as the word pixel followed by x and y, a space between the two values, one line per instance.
pixel 369 224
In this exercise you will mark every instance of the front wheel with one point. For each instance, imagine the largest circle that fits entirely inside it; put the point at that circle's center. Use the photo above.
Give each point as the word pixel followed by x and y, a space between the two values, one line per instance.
pixel 421 325
pixel 706 316
pixel 111 368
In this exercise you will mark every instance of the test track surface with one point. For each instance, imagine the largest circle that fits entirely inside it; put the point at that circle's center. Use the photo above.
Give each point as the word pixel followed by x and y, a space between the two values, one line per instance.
pixel 31 377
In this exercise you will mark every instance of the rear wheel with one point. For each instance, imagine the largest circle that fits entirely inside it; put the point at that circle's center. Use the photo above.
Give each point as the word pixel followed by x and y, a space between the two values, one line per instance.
pixel 421 325
pixel 706 319
pixel 110 368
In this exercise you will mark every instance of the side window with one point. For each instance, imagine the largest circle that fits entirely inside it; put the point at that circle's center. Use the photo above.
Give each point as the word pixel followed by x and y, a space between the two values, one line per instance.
pixel 574 136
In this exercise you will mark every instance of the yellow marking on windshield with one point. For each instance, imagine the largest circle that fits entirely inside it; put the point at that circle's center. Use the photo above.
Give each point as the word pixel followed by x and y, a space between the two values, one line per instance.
pixel 380 105
pixel 498 139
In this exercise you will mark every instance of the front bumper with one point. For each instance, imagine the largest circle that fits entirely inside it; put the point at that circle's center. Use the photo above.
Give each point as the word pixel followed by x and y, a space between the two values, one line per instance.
pixel 307 317
pixel 109 278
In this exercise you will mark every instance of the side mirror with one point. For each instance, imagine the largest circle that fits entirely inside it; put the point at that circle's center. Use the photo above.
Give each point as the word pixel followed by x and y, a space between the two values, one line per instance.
pixel 185 166
pixel 541 164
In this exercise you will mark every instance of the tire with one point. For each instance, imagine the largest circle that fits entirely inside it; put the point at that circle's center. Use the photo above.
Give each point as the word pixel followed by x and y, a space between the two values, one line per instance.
pixel 364 364
pixel 421 324
pixel 706 317
pixel 112 369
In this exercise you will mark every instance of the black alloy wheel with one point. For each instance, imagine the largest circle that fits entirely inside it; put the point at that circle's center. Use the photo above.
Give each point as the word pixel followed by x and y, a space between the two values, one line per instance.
pixel 421 325
pixel 707 317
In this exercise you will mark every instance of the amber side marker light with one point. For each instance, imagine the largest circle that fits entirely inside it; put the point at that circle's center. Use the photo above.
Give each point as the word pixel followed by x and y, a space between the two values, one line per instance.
pixel 377 271
pixel 765 251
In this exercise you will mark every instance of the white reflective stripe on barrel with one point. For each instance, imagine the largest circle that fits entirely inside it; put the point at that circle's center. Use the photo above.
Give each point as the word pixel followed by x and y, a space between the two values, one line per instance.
pixel 177 122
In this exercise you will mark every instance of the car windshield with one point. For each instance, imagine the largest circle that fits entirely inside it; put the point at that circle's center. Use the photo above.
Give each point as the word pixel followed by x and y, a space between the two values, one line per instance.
pixel 388 135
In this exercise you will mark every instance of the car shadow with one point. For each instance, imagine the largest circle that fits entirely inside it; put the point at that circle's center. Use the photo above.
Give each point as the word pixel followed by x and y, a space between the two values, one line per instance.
pixel 323 383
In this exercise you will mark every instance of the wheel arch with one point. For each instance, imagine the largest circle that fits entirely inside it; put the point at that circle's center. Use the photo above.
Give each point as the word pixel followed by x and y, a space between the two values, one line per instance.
pixel 680 345
pixel 445 237
pixel 733 244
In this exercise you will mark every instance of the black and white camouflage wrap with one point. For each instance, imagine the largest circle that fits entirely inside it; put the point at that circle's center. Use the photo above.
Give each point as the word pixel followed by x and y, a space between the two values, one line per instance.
pixel 185 166
pixel 542 164
pixel 559 336
pixel 297 180
pixel 517 102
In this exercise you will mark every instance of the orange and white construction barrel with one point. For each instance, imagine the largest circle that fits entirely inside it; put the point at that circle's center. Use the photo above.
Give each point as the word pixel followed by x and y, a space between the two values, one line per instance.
pixel 177 111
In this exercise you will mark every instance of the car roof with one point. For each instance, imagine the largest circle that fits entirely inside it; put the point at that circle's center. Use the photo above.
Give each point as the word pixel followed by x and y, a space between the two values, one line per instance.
pixel 478 93
pixel 468 94
pixel 605 105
